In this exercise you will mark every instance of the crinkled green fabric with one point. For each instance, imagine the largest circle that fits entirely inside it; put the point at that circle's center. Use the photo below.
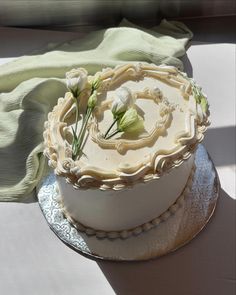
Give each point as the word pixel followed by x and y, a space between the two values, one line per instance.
pixel 31 85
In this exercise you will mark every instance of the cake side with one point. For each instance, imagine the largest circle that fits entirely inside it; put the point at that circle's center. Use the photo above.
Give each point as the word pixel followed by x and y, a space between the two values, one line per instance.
pixel 125 209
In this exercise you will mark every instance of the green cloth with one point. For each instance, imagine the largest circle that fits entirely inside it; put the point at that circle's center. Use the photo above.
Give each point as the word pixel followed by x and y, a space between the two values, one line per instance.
pixel 31 85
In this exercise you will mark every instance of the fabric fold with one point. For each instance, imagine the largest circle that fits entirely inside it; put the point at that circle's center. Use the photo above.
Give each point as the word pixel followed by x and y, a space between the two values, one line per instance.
pixel 31 85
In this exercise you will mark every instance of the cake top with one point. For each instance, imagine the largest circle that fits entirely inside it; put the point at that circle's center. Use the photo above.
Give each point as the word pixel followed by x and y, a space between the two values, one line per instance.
pixel 145 119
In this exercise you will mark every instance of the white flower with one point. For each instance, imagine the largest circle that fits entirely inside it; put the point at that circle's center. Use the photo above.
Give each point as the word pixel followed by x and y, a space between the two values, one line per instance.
pixel 76 80
pixel 131 121
pixel 92 100
pixel 124 99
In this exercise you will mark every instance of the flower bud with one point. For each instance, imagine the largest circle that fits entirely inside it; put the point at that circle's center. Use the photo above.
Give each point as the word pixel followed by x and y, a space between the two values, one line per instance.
pixel 96 82
pixel 92 101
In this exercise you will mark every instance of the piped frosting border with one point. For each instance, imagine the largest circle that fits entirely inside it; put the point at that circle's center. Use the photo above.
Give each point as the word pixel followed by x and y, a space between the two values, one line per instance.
pixel 58 150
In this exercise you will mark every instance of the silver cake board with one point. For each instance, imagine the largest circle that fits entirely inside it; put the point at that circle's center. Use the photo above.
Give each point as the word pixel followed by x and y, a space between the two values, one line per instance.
pixel 176 231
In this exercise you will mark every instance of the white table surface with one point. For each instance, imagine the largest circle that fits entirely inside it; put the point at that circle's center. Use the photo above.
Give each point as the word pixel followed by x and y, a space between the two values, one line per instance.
pixel 33 261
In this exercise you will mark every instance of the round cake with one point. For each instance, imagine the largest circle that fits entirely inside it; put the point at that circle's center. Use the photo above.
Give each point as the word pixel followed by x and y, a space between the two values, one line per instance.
pixel 122 145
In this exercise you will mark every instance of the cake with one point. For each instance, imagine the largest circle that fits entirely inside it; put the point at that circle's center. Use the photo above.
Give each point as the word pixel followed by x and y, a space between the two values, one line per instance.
pixel 130 180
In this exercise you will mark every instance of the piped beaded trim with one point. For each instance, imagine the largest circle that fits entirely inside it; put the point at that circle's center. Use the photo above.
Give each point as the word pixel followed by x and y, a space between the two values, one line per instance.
pixel 124 234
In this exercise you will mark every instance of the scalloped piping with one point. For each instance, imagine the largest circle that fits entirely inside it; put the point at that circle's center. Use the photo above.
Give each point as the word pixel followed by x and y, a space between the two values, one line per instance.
pixel 122 145
pixel 124 234
pixel 59 152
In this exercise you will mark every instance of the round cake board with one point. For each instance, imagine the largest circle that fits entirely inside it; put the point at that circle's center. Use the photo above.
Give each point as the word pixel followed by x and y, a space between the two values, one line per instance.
pixel 179 229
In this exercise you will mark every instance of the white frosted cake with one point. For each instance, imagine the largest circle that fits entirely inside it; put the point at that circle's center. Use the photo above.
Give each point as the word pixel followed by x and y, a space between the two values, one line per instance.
pixel 135 165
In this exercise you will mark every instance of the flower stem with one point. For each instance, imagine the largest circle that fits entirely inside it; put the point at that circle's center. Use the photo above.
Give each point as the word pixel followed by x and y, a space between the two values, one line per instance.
pixel 114 133
pixel 82 132
pixel 74 142
pixel 109 129
pixel 76 114
pixel 77 111
pixel 77 142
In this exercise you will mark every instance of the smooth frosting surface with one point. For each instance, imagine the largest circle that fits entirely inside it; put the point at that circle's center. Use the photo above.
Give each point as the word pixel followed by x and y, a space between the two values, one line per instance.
pixel 126 209
pixel 172 120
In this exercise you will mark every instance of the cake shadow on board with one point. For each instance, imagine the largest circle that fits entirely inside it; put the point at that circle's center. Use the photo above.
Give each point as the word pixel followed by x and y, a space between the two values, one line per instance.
pixel 187 65
pixel 223 135
pixel 197 268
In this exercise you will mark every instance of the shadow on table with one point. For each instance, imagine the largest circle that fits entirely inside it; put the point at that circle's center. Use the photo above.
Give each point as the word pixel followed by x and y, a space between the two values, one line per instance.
pixel 221 145
pixel 211 30
pixel 187 65
pixel 204 266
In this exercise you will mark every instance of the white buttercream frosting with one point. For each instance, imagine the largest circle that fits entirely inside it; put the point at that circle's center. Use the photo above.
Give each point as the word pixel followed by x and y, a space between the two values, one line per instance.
pixel 142 227
pixel 116 177
pixel 111 210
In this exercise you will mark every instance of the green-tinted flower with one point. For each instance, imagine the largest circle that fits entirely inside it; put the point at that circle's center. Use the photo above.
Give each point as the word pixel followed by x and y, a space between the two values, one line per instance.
pixel 76 80
pixel 204 104
pixel 138 126
pixel 131 121
pixel 200 97
pixel 92 101
pixel 122 102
